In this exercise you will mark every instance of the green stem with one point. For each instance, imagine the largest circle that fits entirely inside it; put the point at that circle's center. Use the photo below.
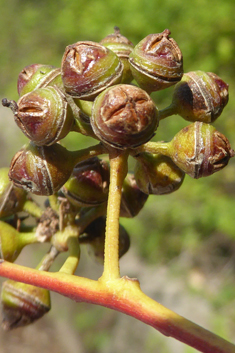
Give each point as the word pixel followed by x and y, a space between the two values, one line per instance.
pixel 154 148
pixel 118 171
pixel 27 238
pixel 53 199
pixel 86 153
pixel 168 111
pixel 124 295
pixel 32 208
pixel 72 261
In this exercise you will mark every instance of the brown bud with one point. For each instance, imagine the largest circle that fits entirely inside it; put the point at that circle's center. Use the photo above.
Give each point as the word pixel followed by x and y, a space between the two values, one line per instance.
pixel 133 199
pixel 157 174
pixel 156 62
pixel 200 150
pixel 124 116
pixel 88 68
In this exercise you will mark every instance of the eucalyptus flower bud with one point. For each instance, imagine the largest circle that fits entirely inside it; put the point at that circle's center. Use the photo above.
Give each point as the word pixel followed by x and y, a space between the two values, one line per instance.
pixel 38 76
pixel 12 199
pixel 94 237
pixel 199 96
pixel 88 184
pixel 88 68
pixel 23 304
pixel 122 47
pixel 200 150
pixel 157 174
pixel 124 116
pixel 156 62
pixel 133 199
pixel 42 170
pixel 44 116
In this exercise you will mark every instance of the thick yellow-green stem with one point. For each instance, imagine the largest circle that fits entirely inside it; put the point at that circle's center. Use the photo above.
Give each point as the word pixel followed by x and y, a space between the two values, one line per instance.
pixel 118 171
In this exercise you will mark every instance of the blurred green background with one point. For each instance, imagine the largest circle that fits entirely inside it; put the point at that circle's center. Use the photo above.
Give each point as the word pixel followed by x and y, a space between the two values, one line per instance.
pixel 190 232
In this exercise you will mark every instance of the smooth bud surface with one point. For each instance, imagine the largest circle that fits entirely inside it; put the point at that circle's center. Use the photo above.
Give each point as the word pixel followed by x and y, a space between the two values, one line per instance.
pixel 39 76
pixel 157 174
pixel 124 116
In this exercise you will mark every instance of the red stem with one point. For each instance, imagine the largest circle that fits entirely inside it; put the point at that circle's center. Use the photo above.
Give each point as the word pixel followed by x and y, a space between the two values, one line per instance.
pixel 123 295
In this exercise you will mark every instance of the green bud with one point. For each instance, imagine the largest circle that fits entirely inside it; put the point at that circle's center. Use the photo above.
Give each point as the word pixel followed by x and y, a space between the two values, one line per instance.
pixel 157 174
pixel 38 76
pixel 22 304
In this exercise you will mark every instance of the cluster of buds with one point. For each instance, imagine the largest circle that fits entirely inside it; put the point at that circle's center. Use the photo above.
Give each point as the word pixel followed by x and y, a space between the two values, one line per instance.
pixel 101 90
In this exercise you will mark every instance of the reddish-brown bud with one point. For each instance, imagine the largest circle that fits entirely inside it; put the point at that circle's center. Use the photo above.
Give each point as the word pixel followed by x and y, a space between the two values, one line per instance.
pixel 156 62
pixel 124 116
pixel 88 68
pixel 44 115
